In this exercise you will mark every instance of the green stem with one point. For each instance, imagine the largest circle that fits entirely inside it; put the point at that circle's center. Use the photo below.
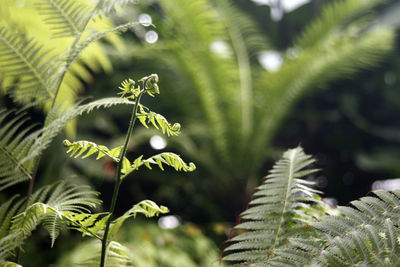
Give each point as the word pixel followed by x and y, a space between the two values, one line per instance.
pixel 118 180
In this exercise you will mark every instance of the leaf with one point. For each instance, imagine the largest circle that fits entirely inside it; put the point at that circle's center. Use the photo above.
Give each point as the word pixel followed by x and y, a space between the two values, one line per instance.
pixel 80 149
pixel 65 17
pixel 158 121
pixel 279 210
pixel 167 158
pixel 16 137
pixel 29 61
pixel 52 202
pixel 146 207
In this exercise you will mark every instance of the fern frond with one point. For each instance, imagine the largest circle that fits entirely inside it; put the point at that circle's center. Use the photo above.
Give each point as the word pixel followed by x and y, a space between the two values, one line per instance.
pixel 157 121
pixel 15 141
pixel 167 158
pixel 276 212
pixel 146 207
pixel 30 62
pixel 79 148
pixel 117 256
pixel 55 126
pixel 56 200
pixel 334 15
pixel 366 234
pixel 65 17
pixel 108 6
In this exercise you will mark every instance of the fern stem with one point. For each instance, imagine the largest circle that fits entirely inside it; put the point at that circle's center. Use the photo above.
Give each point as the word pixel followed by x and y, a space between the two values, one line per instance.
pixel 118 180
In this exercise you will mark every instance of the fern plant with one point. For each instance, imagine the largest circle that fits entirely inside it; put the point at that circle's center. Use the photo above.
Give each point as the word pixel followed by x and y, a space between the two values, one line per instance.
pixel 239 105
pixel 287 224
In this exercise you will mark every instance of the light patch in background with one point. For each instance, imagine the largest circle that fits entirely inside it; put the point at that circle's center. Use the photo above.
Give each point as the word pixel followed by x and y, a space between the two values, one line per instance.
pixel 221 48
pixel 151 37
pixel 286 6
pixel 389 184
pixel 157 142
pixel 169 222
pixel 145 19
pixel 332 202
pixel 270 60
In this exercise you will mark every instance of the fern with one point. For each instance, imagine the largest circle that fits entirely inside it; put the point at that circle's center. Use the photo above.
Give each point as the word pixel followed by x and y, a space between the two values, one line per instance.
pixel 22 55
pixel 66 18
pixel 157 121
pixel 50 204
pixel 146 207
pixel 85 149
pixel 15 141
pixel 278 210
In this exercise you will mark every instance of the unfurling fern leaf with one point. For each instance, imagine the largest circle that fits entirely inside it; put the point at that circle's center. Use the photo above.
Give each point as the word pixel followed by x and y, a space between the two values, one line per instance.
pixel 167 158
pixel 79 148
pixel 278 211
pixel 85 149
pixel 146 207
pixel 157 121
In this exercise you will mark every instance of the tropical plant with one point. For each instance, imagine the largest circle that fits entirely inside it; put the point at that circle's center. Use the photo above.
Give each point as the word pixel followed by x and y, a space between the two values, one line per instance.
pixel 35 76
pixel 238 104
pixel 287 224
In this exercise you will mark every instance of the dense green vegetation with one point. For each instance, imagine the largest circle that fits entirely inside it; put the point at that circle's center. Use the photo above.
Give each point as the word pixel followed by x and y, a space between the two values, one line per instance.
pixel 332 87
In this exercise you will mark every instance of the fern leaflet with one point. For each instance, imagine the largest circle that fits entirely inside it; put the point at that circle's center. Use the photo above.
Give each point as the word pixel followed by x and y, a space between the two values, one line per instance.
pixel 157 121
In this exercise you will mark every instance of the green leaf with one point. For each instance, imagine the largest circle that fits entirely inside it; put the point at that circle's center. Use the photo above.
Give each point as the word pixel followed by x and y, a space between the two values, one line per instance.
pixel 158 121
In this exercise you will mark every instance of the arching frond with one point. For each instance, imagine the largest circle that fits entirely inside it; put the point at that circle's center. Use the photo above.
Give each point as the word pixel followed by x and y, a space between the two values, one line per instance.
pixel 157 121
pixel 48 207
pixel 167 158
pixel 15 141
pixel 146 207
pixel 65 17
pixel 334 15
pixel 30 62
pixel 278 211
pixel 55 126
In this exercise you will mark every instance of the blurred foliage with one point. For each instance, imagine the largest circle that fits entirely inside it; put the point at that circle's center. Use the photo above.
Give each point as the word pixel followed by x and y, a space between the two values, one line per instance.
pixel 152 246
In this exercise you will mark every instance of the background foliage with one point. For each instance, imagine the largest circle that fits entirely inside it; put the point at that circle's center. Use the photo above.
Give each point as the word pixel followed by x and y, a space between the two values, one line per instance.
pixel 237 115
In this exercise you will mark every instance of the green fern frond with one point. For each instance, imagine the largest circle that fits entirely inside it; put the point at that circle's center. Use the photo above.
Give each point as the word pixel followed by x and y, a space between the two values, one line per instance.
pixel 366 234
pixel 157 121
pixel 117 256
pixel 15 141
pixel 55 126
pixel 52 202
pixel 79 148
pixel 146 207
pixel 108 6
pixel 65 17
pixel 30 62
pixel 333 16
pixel 278 210
pixel 167 158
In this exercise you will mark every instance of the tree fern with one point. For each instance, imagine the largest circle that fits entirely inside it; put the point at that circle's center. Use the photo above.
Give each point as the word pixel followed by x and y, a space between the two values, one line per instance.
pixel 279 208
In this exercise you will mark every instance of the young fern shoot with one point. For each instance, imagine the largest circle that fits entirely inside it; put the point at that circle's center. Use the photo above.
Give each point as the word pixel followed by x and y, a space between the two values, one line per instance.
pixel 147 85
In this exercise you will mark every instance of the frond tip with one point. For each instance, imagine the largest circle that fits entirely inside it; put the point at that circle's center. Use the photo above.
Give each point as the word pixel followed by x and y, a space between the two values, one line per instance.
pixel 158 121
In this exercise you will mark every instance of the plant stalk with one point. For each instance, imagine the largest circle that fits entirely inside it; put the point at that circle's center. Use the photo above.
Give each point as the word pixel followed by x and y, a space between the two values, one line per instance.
pixel 118 181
